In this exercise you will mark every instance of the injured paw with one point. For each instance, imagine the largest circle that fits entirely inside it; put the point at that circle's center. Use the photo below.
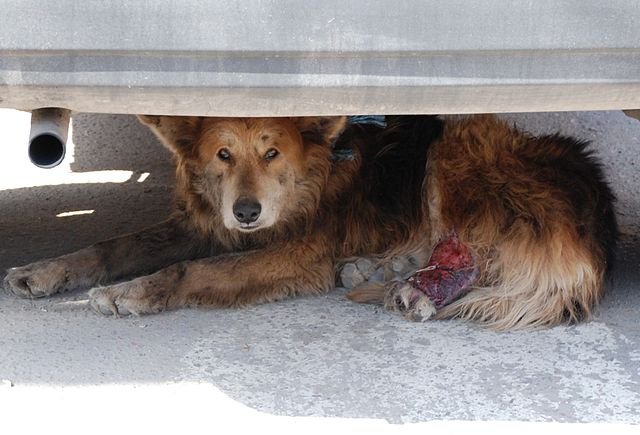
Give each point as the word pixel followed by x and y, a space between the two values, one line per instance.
pixel 414 305
pixel 449 273
pixel 448 276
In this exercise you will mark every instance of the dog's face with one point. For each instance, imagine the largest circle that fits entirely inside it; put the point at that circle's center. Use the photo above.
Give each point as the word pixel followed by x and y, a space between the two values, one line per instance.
pixel 254 163
pixel 252 170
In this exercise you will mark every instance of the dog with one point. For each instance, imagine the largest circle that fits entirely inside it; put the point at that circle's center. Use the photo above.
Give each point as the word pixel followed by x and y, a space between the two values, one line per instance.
pixel 497 226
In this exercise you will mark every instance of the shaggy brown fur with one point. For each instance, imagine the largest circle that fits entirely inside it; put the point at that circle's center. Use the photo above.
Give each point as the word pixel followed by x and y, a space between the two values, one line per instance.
pixel 265 212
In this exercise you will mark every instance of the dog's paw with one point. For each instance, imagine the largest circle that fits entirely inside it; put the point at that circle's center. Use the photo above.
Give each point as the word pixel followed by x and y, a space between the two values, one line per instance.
pixel 411 303
pixel 127 298
pixel 355 272
pixel 359 270
pixel 103 301
pixel 37 280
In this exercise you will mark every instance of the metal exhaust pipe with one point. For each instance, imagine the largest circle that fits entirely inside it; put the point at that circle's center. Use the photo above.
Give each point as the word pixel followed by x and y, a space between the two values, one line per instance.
pixel 48 138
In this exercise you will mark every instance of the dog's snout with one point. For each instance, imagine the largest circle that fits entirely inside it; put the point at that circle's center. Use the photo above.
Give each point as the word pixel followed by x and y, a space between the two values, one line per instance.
pixel 246 210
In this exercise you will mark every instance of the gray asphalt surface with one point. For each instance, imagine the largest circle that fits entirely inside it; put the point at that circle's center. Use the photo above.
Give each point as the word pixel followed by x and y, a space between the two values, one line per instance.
pixel 323 363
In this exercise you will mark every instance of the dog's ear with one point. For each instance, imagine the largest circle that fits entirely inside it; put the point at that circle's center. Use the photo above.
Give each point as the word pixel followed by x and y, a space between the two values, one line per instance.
pixel 178 133
pixel 321 130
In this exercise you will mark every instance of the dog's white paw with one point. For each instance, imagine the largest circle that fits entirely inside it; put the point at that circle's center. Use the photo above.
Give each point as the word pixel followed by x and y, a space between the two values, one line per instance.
pixel 356 272
pixel 359 270
pixel 411 303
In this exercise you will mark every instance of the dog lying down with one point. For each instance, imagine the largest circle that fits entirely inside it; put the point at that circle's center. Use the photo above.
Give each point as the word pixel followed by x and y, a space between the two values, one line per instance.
pixel 486 223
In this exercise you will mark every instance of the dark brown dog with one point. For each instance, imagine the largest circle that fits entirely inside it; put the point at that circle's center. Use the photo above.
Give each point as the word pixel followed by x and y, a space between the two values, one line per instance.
pixel 266 211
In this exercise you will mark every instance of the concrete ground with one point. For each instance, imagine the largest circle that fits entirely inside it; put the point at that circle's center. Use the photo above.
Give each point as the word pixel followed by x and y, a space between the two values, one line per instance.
pixel 322 363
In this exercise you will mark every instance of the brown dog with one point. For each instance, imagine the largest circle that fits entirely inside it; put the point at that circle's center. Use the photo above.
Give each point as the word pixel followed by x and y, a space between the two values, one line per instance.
pixel 515 231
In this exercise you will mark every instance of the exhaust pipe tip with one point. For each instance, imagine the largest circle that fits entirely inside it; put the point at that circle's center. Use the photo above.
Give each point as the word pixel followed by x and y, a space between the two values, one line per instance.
pixel 48 138
pixel 46 150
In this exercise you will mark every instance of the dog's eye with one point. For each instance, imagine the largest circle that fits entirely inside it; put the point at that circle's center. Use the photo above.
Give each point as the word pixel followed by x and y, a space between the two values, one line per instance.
pixel 224 155
pixel 271 154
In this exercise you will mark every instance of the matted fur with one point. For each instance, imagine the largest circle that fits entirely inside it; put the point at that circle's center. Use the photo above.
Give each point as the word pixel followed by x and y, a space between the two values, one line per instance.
pixel 535 212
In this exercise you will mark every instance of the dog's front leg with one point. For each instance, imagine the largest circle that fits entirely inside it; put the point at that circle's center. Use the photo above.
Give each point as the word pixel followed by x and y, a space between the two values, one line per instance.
pixel 232 280
pixel 105 262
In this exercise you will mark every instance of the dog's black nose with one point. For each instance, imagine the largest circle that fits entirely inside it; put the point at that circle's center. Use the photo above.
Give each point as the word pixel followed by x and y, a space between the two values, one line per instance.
pixel 246 210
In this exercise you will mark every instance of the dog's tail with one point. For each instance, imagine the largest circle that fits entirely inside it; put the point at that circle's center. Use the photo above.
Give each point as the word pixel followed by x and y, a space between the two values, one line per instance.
pixel 369 292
